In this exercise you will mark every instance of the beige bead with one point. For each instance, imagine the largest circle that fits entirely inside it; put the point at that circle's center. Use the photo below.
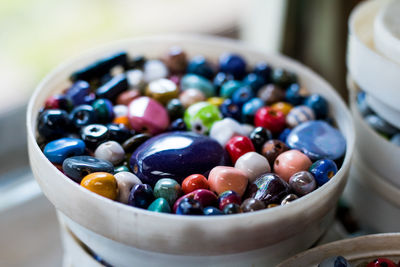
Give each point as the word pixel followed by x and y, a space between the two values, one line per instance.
pixel 191 96
pixel 110 151
pixel 253 164
pixel 126 181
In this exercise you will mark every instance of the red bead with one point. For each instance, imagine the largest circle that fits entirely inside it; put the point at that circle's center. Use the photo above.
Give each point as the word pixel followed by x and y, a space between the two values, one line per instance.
pixel 381 262
pixel 238 146
pixel 193 182
pixel 273 120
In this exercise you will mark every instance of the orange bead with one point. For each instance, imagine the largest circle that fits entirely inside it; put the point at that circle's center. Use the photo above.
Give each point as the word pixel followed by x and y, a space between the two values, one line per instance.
pixel 284 107
pixel 122 120
pixel 102 183
pixel 194 182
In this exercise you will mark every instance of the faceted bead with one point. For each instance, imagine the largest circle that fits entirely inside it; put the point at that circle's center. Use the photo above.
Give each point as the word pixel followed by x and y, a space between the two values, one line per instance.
pixel 126 181
pixel 338 261
pixel 204 196
pixel 231 110
pixel 291 162
pixel 271 93
pixel 298 115
pixel 136 79
pixel 295 94
pixel 253 164
pixel 154 69
pixel 251 204
pixel 197 82
pixel 78 167
pixel 222 179
pixel 147 115
pixel 284 107
pixel 176 60
pixel 126 97
pixel 229 87
pixel 302 183
pixel 225 129
pixel 53 124
pixel 228 197
pixel 259 136
pixel 200 66
pixel 238 146
pixel 101 183
pixel 132 143
pixel 58 150
pixel 318 104
pixel 160 205
pixel 270 119
pixel 242 95
pixel 283 77
pixel 167 188
pixel 201 116
pixel 250 108
pixel 175 109
pixel 272 149
pixel 323 170
pixel 104 110
pixel 77 92
pixel 191 96
pixel 110 151
pixel 254 80
pixel 269 188
pixel 216 101
pixel 212 211
pixel 232 208
pixel 189 206
pixel 194 182
pixel 111 89
pixel 162 90
pixel 141 196
pixel 232 64
pixel 94 134
pixel 264 70
pixel 118 132
pixel 82 115
pixel 380 125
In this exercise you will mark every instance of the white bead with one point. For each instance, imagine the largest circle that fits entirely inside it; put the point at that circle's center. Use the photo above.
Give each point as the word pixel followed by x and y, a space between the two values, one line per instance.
pixel 135 78
pixel 225 129
pixel 247 129
pixel 110 151
pixel 125 181
pixel 298 115
pixel 154 69
pixel 120 110
pixel 253 164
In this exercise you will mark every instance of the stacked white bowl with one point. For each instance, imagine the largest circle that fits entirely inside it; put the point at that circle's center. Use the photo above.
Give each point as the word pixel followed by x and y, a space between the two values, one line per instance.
pixel 373 62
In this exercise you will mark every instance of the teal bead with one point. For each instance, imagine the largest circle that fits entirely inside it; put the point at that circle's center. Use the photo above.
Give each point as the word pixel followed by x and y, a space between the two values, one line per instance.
pixel 229 87
pixel 167 188
pixel 198 82
pixel 121 168
pixel 201 116
pixel 160 205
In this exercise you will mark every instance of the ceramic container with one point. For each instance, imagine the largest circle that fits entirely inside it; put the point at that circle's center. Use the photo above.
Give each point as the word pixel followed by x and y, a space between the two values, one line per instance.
pixel 126 236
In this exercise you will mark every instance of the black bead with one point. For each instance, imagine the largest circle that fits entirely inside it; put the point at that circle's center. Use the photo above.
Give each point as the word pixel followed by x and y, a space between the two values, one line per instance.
pixel 283 78
pixel 113 87
pixel 118 132
pixel 177 125
pixel 231 110
pixel 94 134
pixel 137 62
pixel 264 70
pixel 259 136
pixel 53 124
pixel 175 109
pixel 134 142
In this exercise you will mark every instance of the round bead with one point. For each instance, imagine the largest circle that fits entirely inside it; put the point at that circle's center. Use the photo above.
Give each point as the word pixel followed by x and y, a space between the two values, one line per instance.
pixel 136 79
pixel 147 115
pixel 302 183
pixel 212 211
pixel 189 206
pixel 197 82
pixel 231 110
pixel 271 93
pixel 264 70
pixel 177 125
pixel 242 95
pixel 251 204
pixel 153 70
pixel 289 198
pixel 229 87
pixel 254 80
pixel 216 101
pixel 176 60
pixel 270 119
pixel 201 116
pixel 272 149
pixel 167 188
pixel 132 143
pixel 268 188
pixel 259 136
pixel 110 151
pixel 94 134
pixel 228 197
pixel 225 129
pixel 82 115
pixel 53 123
pixel 219 79
pixel 323 170
pixel 118 132
pixel 318 104
pixel 200 66
pixel 380 125
pixel 222 179
pixel 336 261
pixel 162 90
pixel 126 181
pixel 104 110
pixel 253 164
pixel 160 205
pixel 175 109
pixel 58 150
pixel 101 183
pixel 121 168
pixel 120 110
pixel 238 146
pixel 283 77
pixel 295 94
pixel 232 64
pixel 204 196
pixel 250 108
pixel 380 262
pixel 141 196
pixel 232 208
pixel 194 182
pixel 290 162
pixel 126 97
pixel 284 107
pixel 191 96
pixel 298 115
pixel 78 167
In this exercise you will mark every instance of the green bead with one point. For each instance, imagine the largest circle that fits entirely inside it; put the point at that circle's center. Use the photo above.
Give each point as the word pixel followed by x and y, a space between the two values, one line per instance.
pixel 198 82
pixel 121 169
pixel 103 109
pixel 228 88
pixel 160 205
pixel 201 116
pixel 167 188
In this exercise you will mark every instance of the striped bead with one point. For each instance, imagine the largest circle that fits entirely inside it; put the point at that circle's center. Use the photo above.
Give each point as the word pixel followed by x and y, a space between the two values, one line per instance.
pixel 298 115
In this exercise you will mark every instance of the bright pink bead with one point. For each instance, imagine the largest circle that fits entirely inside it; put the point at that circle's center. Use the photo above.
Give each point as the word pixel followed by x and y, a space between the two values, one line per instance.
pixel 147 115
pixel 238 146
pixel 273 120
pixel 291 162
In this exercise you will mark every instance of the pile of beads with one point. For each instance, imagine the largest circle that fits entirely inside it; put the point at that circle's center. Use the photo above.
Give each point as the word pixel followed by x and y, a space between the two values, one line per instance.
pixel 384 128
pixel 184 136
pixel 339 261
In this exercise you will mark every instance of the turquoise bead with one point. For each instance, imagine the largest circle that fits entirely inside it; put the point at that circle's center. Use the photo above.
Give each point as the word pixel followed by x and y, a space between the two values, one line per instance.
pixel 160 205
pixel 58 150
pixel 167 188
pixel 198 82
pixel 229 87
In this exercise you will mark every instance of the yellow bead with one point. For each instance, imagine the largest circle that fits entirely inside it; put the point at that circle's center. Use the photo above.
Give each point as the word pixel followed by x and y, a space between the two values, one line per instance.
pixel 102 183
pixel 284 107
pixel 217 101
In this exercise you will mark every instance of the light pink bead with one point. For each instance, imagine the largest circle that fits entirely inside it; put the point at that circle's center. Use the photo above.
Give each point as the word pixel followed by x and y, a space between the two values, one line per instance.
pixel 291 162
pixel 191 96
pixel 147 115
pixel 223 178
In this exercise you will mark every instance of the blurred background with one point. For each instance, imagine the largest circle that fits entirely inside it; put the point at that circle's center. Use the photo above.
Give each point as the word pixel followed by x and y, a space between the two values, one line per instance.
pixel 36 35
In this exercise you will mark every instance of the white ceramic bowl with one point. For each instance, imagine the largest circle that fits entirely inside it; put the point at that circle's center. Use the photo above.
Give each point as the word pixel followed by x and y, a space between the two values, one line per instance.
pixel 356 250
pixel 131 236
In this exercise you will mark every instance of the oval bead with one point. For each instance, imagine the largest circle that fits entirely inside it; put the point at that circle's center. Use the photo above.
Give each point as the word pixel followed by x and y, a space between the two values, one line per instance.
pixel 203 196
pixel 225 129
pixel 272 149
pixel 104 110
pixel 176 60
pixel 82 115
pixel 58 150
pixel 283 107
pixel 201 116
pixel 126 97
pixel 271 94
pixel 78 167
pixel 194 182
pixel 251 204
pixel 162 90
pixel 212 211
pixel 288 199
pixel 222 179
pixel 291 162
pixel 200 66
pixel 318 104
pixel 191 96
pixel 323 170
pixel 110 151
pixel 197 82
pixel 53 123
pixel 94 134
pixel 228 197
pixel 141 196
pixel 154 69
pixel 168 189
pixel 250 108
pixel 302 183
pixel 229 87
pixel 253 164
pixel 132 143
pixel 189 206
pixel 232 208
pixel 298 115
pixel 238 146
pixel 126 181
pixel 270 119
pixel 101 183
pixel 232 64
pixel 259 136
pixel 160 205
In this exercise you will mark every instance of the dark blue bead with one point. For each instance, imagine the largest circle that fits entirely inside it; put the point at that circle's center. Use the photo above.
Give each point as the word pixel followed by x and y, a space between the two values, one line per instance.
pixel 177 125
pixel 335 261
pixel 232 64
pixel 318 104
pixel 200 66
pixel 264 70
pixel 58 150
pixel 118 132
pixel 259 136
pixel 82 115
pixel 176 155
pixel 77 92
pixel 94 134
pixel 88 100
pixel 132 143
pixel 220 79
pixel 253 80
pixel 53 123
pixel 212 211
pixel 293 95
pixel 250 108
pixel 231 110
pixel 141 196
pixel 113 87
pixel 323 170
pixel 104 110
pixel 232 208
pixel 283 78
pixel 284 134
pixel 242 95
pixel 189 206
pixel 78 167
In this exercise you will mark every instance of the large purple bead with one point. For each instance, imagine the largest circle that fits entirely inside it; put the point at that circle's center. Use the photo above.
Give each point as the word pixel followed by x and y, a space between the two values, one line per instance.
pixel 176 155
